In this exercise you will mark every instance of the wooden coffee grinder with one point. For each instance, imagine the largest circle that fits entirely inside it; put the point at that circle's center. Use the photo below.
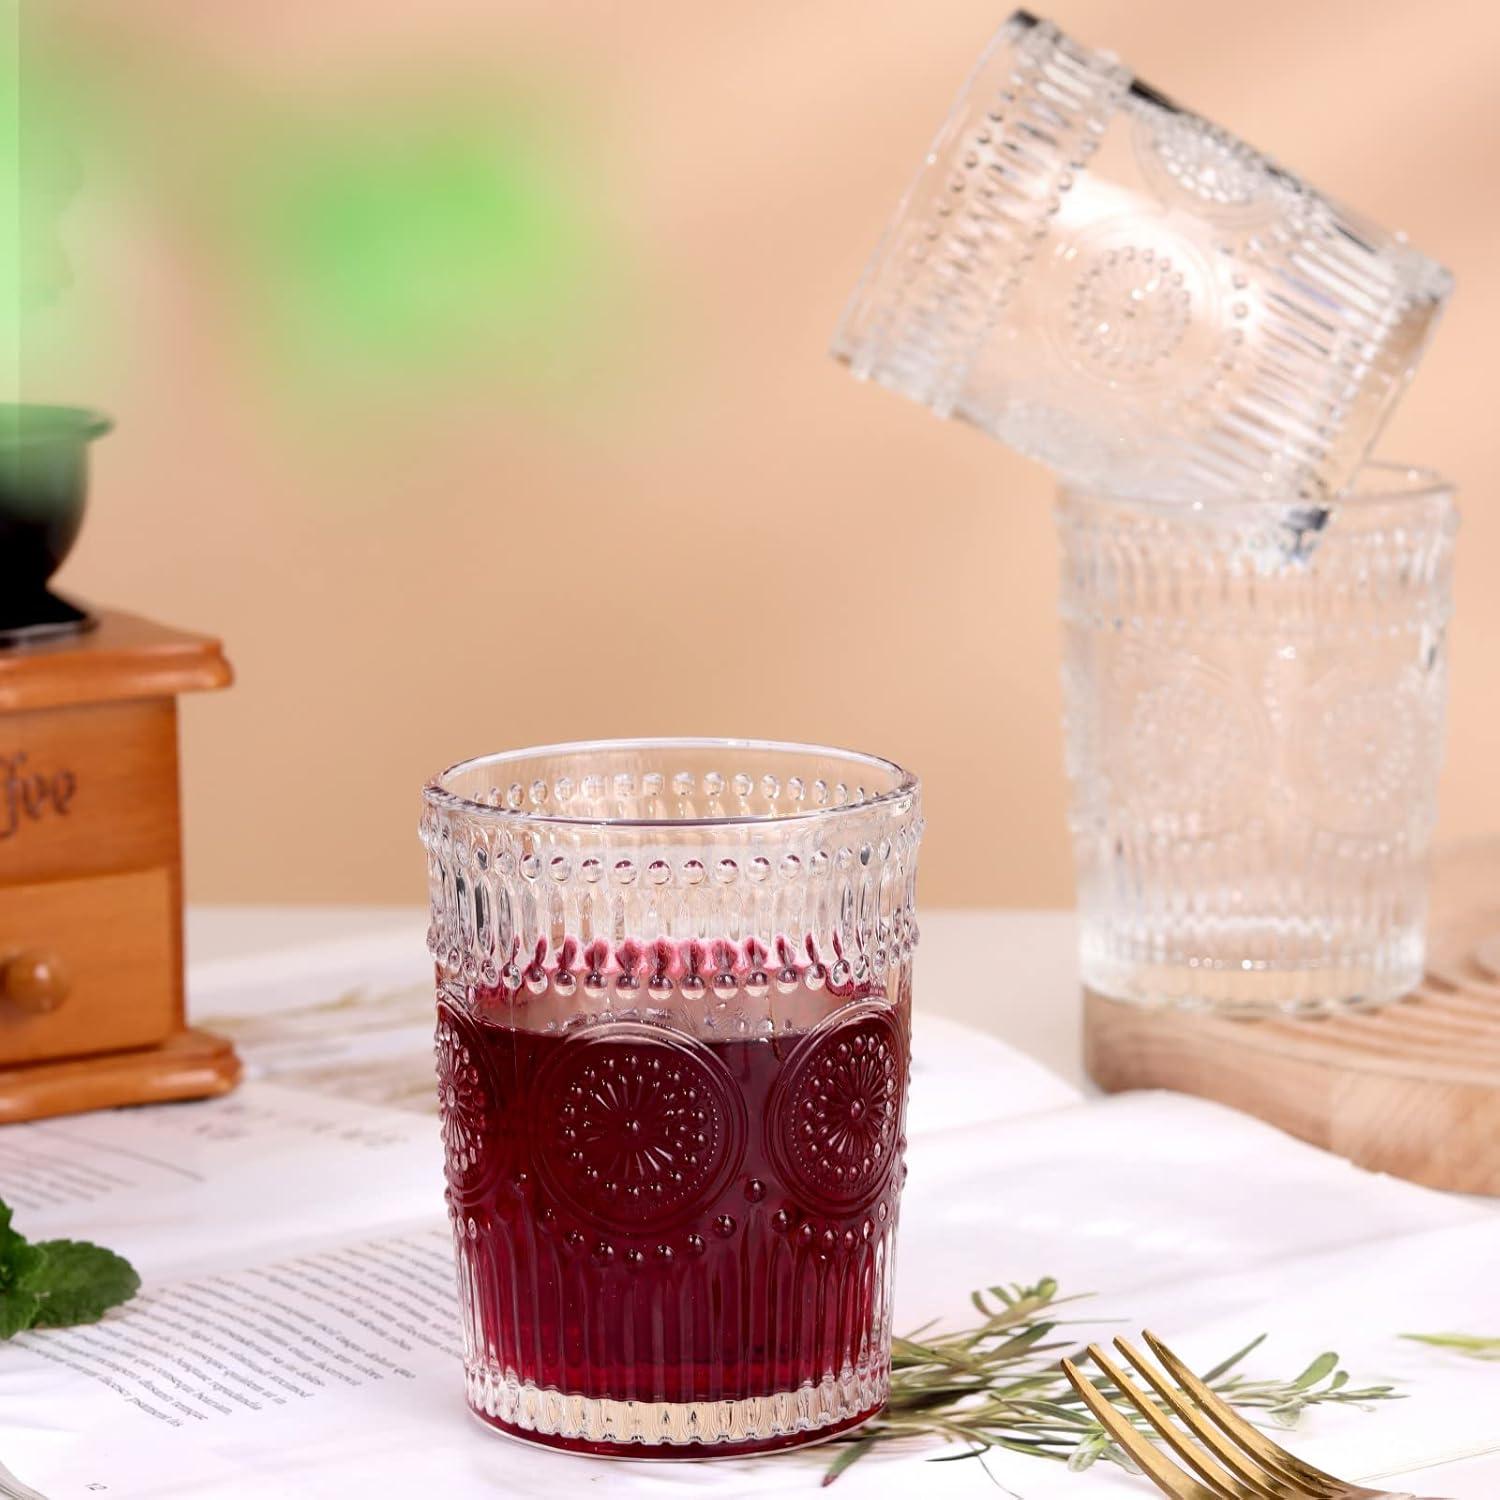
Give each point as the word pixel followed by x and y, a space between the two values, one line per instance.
pixel 91 987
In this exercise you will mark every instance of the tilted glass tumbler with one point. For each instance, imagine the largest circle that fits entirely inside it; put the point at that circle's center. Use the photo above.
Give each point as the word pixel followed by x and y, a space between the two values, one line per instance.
pixel 1254 700
pixel 674 996
pixel 1119 288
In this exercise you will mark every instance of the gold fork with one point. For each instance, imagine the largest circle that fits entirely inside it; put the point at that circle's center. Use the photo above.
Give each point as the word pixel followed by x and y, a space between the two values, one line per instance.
pixel 1230 1459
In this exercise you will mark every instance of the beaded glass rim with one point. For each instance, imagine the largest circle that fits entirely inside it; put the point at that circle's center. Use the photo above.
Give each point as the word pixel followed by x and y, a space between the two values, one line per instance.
pixel 903 789
pixel 1376 483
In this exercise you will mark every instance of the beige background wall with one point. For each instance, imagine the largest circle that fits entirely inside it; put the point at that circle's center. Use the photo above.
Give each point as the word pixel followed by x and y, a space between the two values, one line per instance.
pixel 701 524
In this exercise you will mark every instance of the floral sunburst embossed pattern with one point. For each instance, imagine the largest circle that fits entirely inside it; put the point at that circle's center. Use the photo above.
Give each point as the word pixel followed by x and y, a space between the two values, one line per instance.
pixel 836 1126
pixel 1363 744
pixel 1131 307
pixel 467 1106
pixel 1188 743
pixel 646 1124
pixel 1190 157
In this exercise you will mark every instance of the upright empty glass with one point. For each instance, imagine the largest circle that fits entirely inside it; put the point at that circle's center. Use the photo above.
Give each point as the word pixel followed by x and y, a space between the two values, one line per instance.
pixel 1121 289
pixel 1254 702
pixel 674 997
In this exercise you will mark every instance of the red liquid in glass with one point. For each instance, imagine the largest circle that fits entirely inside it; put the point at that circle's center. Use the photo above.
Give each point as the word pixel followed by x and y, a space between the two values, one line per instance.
pixel 651 1216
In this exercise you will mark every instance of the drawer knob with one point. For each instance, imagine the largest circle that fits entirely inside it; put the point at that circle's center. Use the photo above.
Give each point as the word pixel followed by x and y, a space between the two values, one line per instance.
pixel 33 981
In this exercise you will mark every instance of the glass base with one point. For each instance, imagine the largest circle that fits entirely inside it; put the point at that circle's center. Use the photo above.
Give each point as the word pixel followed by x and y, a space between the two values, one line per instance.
pixel 1250 988
pixel 673 1429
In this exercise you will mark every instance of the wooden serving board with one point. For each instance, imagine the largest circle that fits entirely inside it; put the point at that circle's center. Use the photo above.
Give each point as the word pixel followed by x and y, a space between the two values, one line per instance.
pixel 1411 1088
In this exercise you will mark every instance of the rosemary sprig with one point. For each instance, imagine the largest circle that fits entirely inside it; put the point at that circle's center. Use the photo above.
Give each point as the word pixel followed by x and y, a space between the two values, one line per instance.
pixel 999 1385
pixel 1465 1343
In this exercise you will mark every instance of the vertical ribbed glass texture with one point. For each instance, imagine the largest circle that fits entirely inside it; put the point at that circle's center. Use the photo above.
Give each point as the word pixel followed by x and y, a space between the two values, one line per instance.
pixel 1123 290
pixel 673 1042
pixel 1254 700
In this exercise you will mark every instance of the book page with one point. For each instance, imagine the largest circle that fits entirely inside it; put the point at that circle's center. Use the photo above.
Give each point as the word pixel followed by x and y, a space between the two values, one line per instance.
pixel 175 1187
pixel 297 1335
pixel 331 1366
pixel 205 1350
pixel 80 1159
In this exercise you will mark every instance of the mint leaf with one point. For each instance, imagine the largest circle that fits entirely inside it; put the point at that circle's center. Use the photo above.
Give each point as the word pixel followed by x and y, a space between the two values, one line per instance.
pixel 19 1261
pixel 57 1282
pixel 78 1283
pixel 11 1245
pixel 18 1311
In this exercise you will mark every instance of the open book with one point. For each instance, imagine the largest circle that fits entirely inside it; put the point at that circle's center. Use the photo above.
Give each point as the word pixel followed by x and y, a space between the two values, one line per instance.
pixel 297 1334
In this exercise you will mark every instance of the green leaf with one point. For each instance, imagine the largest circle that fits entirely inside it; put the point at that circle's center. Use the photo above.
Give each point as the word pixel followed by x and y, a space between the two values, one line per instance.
pixel 955 1458
pixel 1087 1452
pixel 78 1283
pixel 18 1311
pixel 23 1260
pixel 1465 1343
pixel 19 1259
pixel 853 1452
pixel 1226 1365
pixel 1019 1343
pixel 13 1250
pixel 1322 1367
pixel 57 1282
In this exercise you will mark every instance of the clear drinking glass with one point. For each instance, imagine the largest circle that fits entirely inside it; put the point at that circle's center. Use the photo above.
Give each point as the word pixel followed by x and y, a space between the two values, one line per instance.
pixel 674 997
pixel 1121 289
pixel 1254 701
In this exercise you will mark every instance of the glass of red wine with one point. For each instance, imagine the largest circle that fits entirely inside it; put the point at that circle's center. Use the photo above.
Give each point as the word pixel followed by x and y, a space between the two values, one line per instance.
pixel 673 1037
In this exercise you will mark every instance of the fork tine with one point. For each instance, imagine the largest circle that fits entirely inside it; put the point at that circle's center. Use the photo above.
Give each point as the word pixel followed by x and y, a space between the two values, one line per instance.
pixel 1223 1478
pixel 1250 1438
pixel 1166 1476
pixel 1264 1479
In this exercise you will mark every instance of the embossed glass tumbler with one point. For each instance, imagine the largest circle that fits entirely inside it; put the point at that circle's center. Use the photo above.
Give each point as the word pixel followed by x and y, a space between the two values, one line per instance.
pixel 1254 703
pixel 674 996
pixel 1123 290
